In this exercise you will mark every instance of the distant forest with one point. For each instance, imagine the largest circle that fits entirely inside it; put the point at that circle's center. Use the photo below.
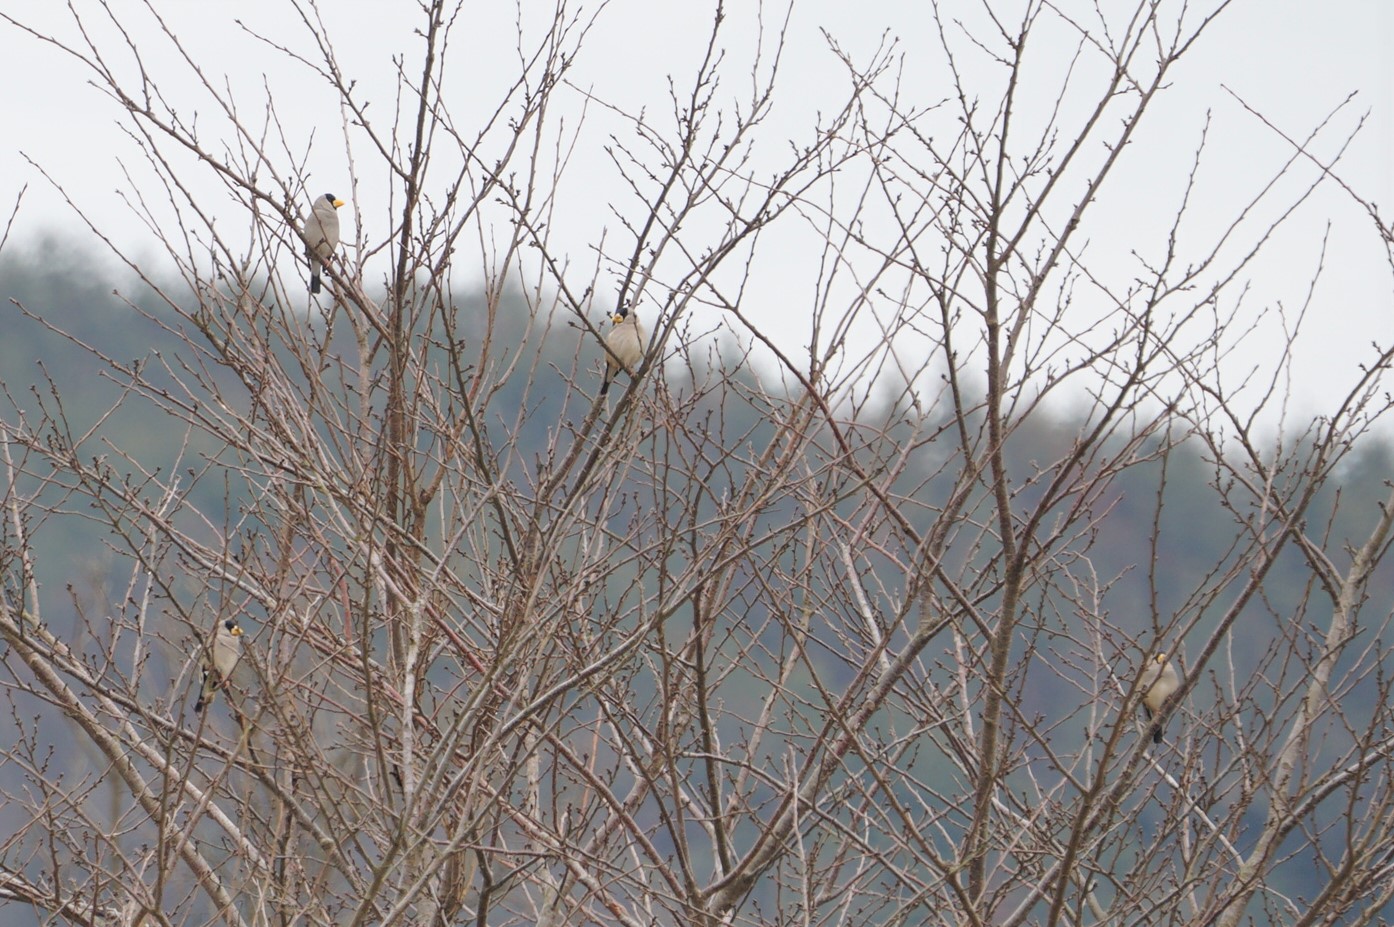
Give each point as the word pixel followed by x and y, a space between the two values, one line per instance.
pixel 72 307
pixel 1158 533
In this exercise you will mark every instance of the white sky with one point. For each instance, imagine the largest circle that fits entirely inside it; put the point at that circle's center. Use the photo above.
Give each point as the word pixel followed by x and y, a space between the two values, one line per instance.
pixel 1293 60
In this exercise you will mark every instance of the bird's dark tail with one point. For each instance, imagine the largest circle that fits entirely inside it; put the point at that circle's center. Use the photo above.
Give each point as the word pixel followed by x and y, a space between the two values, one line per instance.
pixel 314 283
pixel 1156 728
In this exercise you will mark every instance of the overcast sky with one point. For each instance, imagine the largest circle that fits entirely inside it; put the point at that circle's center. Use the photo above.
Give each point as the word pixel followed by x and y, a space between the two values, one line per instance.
pixel 1293 60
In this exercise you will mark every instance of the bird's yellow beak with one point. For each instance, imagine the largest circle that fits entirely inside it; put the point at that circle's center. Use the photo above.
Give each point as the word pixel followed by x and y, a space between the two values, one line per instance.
pixel 338 203
pixel 1160 658
pixel 236 631
pixel 617 318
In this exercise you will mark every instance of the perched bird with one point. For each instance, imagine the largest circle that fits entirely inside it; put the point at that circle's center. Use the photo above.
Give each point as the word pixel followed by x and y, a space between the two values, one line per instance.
pixel 624 346
pixel 219 659
pixel 321 235
pixel 1158 680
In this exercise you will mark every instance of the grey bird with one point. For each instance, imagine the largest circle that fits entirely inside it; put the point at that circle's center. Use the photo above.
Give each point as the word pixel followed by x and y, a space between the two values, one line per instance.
pixel 1158 681
pixel 321 235
pixel 219 660
pixel 624 346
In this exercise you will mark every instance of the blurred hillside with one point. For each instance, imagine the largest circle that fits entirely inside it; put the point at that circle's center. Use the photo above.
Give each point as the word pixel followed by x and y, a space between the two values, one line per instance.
pixel 1159 531
pixel 57 306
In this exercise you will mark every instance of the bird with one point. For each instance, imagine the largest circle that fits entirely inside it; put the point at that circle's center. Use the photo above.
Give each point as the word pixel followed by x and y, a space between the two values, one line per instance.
pixel 1158 681
pixel 624 346
pixel 219 659
pixel 321 235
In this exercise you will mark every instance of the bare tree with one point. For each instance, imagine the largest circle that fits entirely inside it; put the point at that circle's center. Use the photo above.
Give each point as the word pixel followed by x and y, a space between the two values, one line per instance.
pixel 843 638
